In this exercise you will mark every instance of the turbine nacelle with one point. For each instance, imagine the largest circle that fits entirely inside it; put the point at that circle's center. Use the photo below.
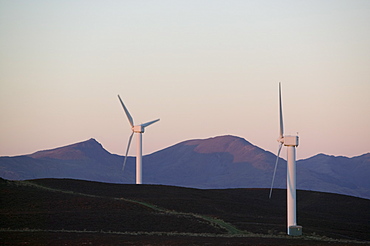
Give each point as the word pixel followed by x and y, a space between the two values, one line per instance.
pixel 289 140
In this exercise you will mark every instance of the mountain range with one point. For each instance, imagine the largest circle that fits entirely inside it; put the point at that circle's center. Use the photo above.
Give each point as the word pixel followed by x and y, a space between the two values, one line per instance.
pixel 213 163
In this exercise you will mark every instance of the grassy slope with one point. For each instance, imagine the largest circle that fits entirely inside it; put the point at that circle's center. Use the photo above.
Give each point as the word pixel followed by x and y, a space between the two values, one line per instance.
pixel 26 205
pixel 51 204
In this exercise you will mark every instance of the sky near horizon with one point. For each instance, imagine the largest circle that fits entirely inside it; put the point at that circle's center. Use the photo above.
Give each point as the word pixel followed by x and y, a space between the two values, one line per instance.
pixel 205 68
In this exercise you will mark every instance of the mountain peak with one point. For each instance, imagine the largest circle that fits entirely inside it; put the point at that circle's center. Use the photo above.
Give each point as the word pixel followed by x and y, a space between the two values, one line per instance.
pixel 82 150
pixel 239 148
pixel 226 143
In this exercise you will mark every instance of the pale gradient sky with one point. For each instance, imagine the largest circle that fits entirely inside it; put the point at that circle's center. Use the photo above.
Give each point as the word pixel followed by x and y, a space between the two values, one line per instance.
pixel 205 68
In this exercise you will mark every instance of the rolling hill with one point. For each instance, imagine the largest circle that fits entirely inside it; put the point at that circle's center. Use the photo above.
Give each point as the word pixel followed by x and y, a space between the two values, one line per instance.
pixel 65 211
pixel 213 163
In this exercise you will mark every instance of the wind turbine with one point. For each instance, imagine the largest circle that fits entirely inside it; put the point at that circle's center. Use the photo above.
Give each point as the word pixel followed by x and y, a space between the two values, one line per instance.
pixel 139 129
pixel 291 142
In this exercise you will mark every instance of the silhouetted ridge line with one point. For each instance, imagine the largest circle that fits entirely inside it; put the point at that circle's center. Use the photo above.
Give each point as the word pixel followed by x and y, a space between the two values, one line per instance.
pixel 218 162
pixel 81 150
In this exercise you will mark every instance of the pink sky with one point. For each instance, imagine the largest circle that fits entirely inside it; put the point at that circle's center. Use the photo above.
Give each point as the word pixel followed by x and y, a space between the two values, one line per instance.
pixel 204 68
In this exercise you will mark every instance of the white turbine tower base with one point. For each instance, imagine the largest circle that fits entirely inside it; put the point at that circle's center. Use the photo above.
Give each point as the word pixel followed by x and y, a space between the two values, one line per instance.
pixel 293 228
pixel 139 160
pixel 139 129
pixel 291 142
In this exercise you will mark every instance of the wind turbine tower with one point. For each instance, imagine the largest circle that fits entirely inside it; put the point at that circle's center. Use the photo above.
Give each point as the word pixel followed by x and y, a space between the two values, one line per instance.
pixel 291 142
pixel 139 130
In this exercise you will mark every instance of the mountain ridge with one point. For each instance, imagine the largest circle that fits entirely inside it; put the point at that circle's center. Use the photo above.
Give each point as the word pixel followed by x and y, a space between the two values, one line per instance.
pixel 218 162
pixel 86 149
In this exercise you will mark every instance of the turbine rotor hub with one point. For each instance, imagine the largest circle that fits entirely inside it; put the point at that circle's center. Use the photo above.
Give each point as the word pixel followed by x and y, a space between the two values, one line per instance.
pixel 138 129
pixel 280 140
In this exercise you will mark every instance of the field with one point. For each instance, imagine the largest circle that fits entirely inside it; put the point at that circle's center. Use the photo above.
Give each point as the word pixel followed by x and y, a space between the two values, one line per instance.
pixel 74 212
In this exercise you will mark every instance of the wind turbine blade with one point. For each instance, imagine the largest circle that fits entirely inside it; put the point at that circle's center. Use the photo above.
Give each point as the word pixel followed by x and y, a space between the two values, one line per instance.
pixel 276 163
pixel 281 114
pixel 149 123
pixel 129 117
pixel 128 147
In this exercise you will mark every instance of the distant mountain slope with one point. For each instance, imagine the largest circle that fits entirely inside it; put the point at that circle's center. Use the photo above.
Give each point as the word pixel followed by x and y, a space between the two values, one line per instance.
pixel 225 161
pixel 89 149
pixel 219 162
pixel 336 174
pixel 87 160
pixel 233 162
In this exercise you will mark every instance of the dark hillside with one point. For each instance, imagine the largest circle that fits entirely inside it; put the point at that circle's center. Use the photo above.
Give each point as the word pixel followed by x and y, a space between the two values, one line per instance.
pixel 26 205
pixel 325 214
